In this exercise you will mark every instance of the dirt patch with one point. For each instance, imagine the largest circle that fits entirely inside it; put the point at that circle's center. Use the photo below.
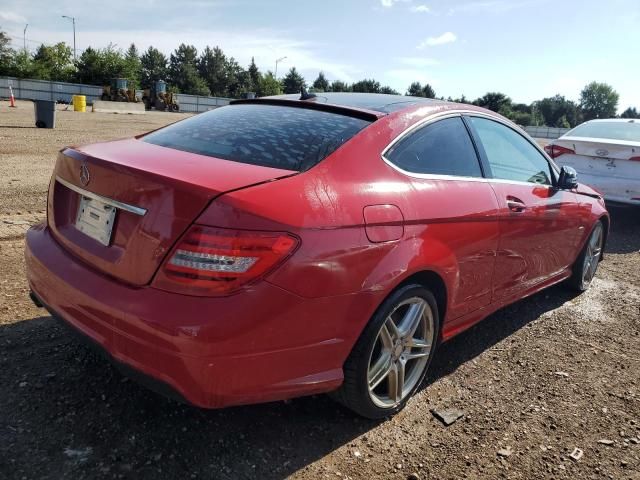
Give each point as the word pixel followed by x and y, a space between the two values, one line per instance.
pixel 535 381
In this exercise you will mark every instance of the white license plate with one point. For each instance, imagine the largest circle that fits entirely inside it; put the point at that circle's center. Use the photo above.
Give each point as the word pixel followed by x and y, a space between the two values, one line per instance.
pixel 95 219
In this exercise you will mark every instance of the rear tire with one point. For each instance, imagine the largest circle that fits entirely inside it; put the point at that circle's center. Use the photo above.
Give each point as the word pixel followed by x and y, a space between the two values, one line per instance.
pixel 586 265
pixel 390 359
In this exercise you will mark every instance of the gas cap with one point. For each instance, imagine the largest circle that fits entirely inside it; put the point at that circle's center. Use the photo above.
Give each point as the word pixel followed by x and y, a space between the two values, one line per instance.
pixel 383 223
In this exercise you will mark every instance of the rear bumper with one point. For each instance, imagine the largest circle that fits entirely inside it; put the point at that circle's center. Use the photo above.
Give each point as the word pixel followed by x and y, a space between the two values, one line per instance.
pixel 259 345
pixel 617 184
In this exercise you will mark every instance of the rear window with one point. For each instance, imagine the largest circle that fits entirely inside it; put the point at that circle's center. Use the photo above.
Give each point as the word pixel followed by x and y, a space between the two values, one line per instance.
pixel 629 131
pixel 269 135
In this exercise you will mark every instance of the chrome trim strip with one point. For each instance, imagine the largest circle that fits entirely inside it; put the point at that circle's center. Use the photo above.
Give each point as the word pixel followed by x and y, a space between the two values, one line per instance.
pixel 114 203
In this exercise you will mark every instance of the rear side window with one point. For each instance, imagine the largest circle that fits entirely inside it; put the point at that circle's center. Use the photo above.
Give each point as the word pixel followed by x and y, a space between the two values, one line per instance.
pixel 626 130
pixel 269 135
pixel 440 148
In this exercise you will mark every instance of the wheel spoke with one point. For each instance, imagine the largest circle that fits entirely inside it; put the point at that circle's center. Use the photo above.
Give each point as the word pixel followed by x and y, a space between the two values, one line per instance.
pixel 379 371
pixel 386 337
pixel 418 343
pixel 412 319
pixel 392 329
pixel 396 381
pixel 418 349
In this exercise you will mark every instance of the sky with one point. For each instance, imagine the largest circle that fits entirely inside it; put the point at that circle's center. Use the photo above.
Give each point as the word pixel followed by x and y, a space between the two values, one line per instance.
pixel 528 49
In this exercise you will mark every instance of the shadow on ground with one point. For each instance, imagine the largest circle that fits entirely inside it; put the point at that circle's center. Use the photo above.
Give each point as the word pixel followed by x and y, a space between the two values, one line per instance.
pixel 625 228
pixel 67 412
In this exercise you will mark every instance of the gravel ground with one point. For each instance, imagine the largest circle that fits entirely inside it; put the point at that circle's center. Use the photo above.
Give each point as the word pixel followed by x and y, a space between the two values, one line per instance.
pixel 535 381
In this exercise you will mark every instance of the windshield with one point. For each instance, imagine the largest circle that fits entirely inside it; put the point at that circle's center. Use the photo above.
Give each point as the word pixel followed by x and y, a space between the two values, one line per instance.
pixel 276 136
pixel 628 131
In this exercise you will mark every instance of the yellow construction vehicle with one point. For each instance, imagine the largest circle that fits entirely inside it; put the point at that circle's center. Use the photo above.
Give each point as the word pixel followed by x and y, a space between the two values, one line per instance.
pixel 157 97
pixel 118 91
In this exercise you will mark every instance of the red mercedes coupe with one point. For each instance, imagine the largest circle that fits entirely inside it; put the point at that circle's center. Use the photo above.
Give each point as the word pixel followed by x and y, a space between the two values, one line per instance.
pixel 294 245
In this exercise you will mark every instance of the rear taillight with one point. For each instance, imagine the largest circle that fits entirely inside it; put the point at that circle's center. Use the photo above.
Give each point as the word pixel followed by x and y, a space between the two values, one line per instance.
pixel 555 151
pixel 216 261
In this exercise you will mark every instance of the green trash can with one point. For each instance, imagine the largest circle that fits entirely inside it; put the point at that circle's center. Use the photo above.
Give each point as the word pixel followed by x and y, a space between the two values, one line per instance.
pixel 45 113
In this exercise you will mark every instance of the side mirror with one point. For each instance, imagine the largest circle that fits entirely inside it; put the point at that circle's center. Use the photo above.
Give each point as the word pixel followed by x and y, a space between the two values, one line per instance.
pixel 568 178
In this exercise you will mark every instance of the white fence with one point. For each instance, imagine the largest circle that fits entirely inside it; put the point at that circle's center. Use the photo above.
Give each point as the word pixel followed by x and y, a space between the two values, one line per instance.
pixel 27 89
pixel 546 132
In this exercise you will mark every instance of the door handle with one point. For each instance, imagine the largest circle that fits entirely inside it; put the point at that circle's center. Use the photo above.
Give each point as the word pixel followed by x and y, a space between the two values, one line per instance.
pixel 515 204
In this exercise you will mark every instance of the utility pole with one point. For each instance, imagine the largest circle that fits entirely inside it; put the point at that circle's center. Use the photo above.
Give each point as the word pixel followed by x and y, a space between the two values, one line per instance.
pixel 73 20
pixel 278 61
pixel 24 37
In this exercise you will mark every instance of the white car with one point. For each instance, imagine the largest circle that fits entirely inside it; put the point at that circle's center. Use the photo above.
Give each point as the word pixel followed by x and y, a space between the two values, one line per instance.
pixel 606 155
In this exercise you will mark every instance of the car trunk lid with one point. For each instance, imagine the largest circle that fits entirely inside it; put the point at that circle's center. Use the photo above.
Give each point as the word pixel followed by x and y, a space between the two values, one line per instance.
pixel 157 192
pixel 601 148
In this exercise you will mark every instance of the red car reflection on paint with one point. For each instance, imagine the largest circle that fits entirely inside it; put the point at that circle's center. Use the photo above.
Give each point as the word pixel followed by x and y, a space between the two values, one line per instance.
pixel 281 247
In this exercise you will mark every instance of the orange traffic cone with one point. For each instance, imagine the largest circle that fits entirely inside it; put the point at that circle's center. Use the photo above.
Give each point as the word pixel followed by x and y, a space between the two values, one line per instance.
pixel 12 99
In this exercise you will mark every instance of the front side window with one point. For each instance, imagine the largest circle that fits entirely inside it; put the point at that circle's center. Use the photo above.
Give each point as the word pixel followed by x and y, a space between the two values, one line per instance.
pixel 510 155
pixel 440 148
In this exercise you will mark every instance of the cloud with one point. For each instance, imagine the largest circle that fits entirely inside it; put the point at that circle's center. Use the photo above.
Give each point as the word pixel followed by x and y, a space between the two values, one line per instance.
pixel 11 17
pixel 418 62
pixel 391 3
pixel 420 9
pixel 447 37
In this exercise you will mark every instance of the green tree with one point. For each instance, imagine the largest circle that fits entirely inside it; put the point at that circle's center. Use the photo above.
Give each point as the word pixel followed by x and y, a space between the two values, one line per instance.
pixel 495 101
pixel 238 79
pixel 183 71
pixel 388 90
pixel 254 75
pixel 20 65
pixel 321 84
pixel 368 85
pixel 630 112
pixel 213 68
pixel 54 62
pixel 269 85
pixel 6 54
pixel 132 66
pixel 99 66
pixel 598 100
pixel 461 99
pixel 154 67
pixel 339 86
pixel 417 90
pixel 293 82
pixel 558 111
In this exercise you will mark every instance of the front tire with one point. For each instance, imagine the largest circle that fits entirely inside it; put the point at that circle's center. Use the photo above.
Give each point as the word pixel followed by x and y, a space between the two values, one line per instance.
pixel 390 359
pixel 584 270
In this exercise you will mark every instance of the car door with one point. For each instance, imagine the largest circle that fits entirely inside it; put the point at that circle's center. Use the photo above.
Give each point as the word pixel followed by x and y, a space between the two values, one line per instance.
pixel 538 222
pixel 453 213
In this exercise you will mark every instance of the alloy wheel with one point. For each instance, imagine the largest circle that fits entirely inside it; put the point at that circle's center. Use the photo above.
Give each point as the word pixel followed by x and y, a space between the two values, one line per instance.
pixel 592 255
pixel 400 352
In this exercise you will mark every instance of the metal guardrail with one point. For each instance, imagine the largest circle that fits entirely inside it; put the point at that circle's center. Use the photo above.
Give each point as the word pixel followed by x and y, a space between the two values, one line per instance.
pixel 546 132
pixel 29 89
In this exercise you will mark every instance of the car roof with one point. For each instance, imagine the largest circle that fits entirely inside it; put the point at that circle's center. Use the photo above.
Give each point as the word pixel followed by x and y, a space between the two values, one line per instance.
pixel 376 102
pixel 368 106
